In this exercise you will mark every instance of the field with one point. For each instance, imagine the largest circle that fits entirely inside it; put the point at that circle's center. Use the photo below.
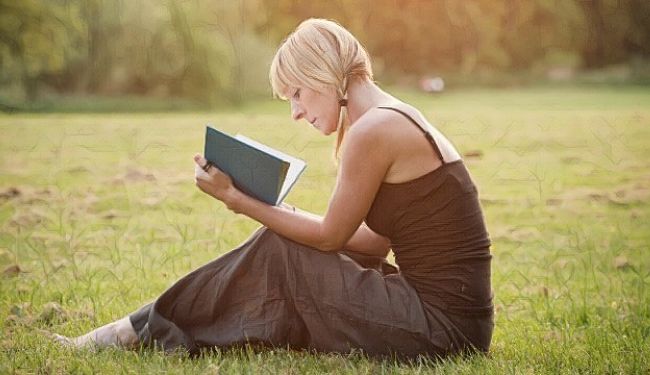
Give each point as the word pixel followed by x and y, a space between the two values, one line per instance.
pixel 99 214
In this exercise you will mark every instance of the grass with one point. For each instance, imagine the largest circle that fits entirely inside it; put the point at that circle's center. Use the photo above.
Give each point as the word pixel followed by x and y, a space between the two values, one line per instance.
pixel 99 214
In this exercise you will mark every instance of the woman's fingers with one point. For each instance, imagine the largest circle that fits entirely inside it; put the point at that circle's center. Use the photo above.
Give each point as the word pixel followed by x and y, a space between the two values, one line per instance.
pixel 205 170
pixel 199 173
pixel 202 162
pixel 210 179
pixel 206 165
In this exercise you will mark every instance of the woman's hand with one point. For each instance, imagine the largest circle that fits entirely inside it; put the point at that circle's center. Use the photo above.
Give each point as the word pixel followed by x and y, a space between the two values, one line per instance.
pixel 214 182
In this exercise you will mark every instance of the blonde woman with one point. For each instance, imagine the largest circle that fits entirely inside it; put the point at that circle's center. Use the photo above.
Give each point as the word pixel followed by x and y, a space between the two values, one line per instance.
pixel 322 283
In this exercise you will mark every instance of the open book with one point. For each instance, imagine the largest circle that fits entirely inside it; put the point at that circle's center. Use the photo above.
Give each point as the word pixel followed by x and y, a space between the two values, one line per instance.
pixel 256 169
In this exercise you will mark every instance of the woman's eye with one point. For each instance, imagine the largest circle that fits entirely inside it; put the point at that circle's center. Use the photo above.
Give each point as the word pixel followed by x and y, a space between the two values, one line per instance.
pixel 296 95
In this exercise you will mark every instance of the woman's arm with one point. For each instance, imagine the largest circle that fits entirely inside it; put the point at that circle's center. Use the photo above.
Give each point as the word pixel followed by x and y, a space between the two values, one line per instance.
pixel 367 241
pixel 364 240
pixel 365 159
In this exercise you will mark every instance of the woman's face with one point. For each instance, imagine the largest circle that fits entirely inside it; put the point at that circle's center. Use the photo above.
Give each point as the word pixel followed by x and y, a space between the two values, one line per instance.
pixel 320 109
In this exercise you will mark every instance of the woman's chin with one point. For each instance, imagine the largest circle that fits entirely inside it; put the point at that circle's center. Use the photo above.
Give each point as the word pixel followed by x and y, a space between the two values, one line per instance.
pixel 326 131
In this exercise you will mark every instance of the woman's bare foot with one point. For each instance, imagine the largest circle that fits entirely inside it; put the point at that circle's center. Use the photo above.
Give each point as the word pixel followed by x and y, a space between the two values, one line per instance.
pixel 119 333
pixel 63 340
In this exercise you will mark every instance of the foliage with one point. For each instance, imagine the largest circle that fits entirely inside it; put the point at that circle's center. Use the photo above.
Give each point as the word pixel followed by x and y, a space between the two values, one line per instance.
pixel 214 51
pixel 37 39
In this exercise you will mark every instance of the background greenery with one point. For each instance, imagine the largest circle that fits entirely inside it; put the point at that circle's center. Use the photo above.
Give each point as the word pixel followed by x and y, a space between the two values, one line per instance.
pixel 203 53
pixel 99 214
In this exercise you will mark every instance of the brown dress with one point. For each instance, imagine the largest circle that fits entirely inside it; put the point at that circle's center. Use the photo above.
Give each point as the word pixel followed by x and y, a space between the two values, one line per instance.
pixel 273 291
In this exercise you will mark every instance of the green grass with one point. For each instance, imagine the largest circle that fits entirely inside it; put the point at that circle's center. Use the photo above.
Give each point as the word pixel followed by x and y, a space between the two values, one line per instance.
pixel 104 216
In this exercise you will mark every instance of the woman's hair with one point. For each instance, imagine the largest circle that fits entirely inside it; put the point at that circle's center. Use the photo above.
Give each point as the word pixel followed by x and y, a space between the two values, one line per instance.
pixel 320 53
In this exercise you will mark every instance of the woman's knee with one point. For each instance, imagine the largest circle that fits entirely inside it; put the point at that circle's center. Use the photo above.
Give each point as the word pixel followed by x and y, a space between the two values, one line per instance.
pixel 281 243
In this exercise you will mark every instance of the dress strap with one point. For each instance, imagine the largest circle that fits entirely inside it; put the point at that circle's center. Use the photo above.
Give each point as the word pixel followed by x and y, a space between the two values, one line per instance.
pixel 427 134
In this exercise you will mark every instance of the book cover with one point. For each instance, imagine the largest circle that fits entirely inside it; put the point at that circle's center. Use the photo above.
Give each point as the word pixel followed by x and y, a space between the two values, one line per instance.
pixel 256 169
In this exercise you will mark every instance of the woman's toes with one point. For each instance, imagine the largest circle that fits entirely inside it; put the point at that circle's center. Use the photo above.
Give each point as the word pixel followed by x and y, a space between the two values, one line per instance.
pixel 64 340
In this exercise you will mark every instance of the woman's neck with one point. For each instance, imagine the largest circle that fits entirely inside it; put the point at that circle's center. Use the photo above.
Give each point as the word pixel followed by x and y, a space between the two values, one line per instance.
pixel 363 95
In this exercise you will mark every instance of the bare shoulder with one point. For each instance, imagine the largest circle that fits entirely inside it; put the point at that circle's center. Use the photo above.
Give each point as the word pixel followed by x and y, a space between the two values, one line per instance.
pixel 396 136
pixel 376 125
pixel 369 139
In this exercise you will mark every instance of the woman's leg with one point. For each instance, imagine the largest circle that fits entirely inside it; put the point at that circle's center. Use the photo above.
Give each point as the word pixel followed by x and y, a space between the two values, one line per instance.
pixel 118 333
pixel 274 291
pixel 133 329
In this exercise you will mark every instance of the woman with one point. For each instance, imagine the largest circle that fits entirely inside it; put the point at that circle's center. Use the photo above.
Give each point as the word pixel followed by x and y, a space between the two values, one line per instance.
pixel 323 283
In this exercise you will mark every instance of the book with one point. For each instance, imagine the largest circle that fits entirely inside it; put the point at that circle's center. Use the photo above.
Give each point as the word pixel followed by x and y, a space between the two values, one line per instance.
pixel 256 169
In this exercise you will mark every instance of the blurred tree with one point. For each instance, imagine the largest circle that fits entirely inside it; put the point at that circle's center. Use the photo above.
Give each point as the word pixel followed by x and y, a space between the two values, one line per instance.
pixel 216 51
pixel 637 41
pixel 525 30
pixel 102 21
pixel 249 54
pixel 37 39
pixel 614 31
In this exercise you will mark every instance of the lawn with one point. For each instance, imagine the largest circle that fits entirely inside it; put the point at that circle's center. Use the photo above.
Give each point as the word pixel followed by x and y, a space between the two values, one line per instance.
pixel 99 214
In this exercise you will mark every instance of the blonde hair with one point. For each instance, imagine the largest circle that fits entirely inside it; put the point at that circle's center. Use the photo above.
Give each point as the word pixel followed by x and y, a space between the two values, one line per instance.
pixel 320 53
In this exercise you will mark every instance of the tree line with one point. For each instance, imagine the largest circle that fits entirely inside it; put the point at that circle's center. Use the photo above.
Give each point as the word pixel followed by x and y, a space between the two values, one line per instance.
pixel 218 51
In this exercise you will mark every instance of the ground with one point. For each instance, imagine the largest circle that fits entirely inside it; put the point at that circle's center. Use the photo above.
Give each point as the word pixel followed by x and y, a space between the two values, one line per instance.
pixel 99 214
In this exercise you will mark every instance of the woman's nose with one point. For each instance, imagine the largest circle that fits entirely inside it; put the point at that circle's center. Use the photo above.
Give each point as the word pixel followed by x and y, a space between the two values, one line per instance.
pixel 296 112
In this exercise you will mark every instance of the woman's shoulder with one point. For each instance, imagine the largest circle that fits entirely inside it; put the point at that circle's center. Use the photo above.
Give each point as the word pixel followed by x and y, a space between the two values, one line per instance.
pixel 378 119
pixel 403 122
pixel 373 135
pixel 387 121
